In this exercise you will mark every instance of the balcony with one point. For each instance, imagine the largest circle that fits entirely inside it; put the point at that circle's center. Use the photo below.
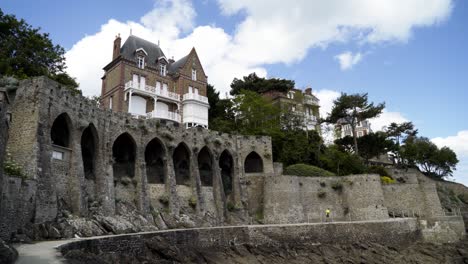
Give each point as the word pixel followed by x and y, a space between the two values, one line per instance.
pixel 196 97
pixel 152 91
pixel 311 101
pixel 310 119
pixel 164 115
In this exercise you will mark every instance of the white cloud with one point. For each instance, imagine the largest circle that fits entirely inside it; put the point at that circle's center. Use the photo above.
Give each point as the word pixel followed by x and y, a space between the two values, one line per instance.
pixel 459 144
pixel 385 119
pixel 347 59
pixel 326 98
pixel 281 33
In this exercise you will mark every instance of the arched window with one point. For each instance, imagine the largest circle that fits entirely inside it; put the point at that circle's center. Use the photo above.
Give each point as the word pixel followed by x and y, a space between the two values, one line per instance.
pixel 253 163
pixel 60 132
pixel 181 159
pixel 154 158
pixel 205 167
pixel 89 148
pixel 124 152
pixel 226 164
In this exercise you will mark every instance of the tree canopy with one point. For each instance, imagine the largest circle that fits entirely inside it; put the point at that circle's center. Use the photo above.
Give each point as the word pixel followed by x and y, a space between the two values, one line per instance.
pixel 260 85
pixel 421 152
pixel 351 109
pixel 25 52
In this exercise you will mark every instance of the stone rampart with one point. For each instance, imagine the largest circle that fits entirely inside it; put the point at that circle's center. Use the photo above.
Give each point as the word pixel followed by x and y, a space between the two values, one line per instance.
pixel 103 157
pixel 292 199
pixel 397 232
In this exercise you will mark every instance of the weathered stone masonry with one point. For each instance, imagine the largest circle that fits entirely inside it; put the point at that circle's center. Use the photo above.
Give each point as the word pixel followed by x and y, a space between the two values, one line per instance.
pixel 80 154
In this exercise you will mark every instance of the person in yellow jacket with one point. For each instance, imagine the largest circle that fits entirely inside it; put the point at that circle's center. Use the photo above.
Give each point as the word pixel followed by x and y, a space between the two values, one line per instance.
pixel 327 214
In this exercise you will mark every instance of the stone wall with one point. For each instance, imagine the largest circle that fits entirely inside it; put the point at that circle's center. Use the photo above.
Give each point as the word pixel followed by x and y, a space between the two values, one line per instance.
pixel 292 199
pixel 17 205
pixel 398 232
pixel 417 196
pixel 40 102
pixel 443 229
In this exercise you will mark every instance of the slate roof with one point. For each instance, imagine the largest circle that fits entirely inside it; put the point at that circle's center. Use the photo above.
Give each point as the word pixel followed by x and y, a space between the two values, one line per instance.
pixel 133 43
pixel 174 67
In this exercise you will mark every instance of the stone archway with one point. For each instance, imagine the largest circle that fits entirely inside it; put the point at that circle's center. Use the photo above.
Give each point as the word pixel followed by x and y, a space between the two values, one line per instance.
pixel 154 159
pixel 205 167
pixel 89 149
pixel 181 159
pixel 253 163
pixel 60 131
pixel 124 152
pixel 227 167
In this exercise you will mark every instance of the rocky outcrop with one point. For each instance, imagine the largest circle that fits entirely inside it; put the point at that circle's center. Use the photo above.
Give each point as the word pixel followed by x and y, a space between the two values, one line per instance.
pixel 7 253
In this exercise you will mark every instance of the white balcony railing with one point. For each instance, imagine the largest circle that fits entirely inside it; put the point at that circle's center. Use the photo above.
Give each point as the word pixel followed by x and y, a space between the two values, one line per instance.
pixel 197 97
pixel 311 101
pixel 311 119
pixel 152 90
pixel 164 115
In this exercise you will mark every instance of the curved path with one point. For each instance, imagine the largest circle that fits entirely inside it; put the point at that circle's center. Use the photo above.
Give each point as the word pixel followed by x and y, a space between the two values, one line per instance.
pixel 41 252
pixel 46 252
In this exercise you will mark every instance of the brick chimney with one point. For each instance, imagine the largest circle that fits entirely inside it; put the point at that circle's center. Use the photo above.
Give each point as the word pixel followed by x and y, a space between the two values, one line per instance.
pixel 308 91
pixel 117 43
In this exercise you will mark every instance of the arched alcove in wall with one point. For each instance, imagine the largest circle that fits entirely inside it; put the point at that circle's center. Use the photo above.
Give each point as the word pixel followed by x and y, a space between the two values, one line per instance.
pixel 154 158
pixel 253 163
pixel 89 141
pixel 227 166
pixel 60 131
pixel 181 159
pixel 205 167
pixel 124 152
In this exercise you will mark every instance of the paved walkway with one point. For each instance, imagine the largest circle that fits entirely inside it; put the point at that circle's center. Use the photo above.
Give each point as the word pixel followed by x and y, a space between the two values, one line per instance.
pixel 40 253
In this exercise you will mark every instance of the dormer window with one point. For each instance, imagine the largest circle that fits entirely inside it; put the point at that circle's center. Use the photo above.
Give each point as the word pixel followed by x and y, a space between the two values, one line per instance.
pixel 194 74
pixel 162 70
pixel 141 62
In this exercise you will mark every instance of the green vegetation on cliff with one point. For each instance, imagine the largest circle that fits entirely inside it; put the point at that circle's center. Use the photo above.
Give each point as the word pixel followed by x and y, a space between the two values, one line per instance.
pixel 306 171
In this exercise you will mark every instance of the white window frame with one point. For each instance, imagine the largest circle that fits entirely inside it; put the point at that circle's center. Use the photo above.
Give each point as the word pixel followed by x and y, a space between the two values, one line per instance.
pixel 162 69
pixel 194 74
pixel 110 102
pixel 141 62
pixel 58 155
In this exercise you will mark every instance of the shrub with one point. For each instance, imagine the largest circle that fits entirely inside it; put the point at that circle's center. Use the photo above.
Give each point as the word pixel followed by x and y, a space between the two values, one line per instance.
pixel 377 170
pixel 387 180
pixel 12 168
pixel 463 197
pixel 192 201
pixel 306 171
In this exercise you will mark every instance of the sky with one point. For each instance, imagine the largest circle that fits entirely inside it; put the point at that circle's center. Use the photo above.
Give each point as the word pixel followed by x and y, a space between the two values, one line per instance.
pixel 410 54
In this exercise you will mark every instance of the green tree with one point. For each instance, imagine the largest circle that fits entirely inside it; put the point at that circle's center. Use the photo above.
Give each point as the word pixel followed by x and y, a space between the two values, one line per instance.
pixel 25 52
pixel 421 152
pixel 257 84
pixel 221 113
pixel 351 109
pixel 370 145
pixel 399 133
pixel 341 163
pixel 255 115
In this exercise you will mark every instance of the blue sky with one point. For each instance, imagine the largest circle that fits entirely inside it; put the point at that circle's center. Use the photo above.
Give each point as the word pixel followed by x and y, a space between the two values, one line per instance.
pixel 410 54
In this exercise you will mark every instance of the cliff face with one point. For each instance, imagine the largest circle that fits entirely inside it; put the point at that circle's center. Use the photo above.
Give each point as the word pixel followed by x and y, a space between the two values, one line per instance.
pixel 454 196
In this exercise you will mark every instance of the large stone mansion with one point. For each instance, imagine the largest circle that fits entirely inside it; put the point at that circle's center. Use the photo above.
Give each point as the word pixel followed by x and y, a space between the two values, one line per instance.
pixel 142 81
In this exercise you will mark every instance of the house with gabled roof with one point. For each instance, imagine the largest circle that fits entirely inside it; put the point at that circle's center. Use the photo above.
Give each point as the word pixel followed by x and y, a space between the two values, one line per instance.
pixel 142 81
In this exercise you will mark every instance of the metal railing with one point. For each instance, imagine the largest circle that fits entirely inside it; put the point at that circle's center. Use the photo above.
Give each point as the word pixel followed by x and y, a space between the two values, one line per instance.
pixel 316 217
